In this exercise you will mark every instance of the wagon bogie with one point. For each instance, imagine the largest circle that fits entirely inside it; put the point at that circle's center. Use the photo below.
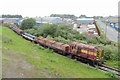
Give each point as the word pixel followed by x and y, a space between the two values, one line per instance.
pixel 20 32
pixel 72 56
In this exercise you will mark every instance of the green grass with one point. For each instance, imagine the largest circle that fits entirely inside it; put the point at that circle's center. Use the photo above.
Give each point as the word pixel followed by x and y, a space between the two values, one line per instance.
pixel 112 63
pixel 0 52
pixel 102 32
pixel 99 28
pixel 48 63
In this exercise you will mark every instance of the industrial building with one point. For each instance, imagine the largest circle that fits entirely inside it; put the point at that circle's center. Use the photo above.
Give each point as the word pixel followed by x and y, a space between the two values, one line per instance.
pixel 85 20
pixel 50 20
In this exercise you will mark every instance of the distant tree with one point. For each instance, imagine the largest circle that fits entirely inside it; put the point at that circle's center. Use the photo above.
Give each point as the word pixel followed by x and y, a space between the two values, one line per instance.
pixel 11 16
pixel 63 15
pixel 97 17
pixel 28 23
pixel 82 16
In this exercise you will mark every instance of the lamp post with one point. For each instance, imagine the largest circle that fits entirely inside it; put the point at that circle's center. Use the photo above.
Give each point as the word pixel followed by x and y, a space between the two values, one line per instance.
pixel 107 23
pixel 106 32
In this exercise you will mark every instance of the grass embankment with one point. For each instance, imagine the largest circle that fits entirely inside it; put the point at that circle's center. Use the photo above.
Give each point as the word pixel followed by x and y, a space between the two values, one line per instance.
pixel 46 62
pixel 0 52
pixel 101 32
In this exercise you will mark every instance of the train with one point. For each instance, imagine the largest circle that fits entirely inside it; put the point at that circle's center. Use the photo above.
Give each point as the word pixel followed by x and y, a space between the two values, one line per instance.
pixel 76 50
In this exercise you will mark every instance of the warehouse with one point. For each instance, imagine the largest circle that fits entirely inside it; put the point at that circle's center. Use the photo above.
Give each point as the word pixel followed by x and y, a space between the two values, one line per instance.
pixel 85 21
pixel 50 20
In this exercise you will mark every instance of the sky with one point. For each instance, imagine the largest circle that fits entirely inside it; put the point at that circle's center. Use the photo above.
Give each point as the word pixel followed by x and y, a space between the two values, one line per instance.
pixel 40 8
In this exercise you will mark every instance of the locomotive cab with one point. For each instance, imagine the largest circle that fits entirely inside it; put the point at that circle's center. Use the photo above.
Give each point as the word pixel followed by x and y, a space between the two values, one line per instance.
pixel 100 54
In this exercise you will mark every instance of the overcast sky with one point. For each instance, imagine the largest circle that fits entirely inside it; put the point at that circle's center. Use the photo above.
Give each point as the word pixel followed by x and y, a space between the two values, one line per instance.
pixel 32 8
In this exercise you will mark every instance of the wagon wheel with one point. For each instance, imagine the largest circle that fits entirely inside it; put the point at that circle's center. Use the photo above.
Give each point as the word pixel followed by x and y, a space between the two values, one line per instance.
pixel 72 56
pixel 78 59
pixel 64 54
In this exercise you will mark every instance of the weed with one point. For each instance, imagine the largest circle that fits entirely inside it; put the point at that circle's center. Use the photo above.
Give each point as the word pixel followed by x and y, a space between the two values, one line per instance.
pixel 96 67
pixel 7 40
pixel 40 47
pixel 47 50
pixel 111 74
pixel 51 50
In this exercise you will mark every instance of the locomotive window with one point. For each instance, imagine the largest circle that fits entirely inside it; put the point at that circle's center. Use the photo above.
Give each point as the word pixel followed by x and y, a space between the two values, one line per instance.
pixel 71 47
pixel 79 50
pixel 91 50
pixel 97 53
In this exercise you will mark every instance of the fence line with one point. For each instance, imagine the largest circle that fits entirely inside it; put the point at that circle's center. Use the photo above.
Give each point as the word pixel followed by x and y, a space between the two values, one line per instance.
pixel 113 26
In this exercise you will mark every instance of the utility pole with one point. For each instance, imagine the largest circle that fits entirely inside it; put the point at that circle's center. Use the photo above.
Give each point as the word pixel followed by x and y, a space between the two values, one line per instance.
pixel 106 29
pixel 106 32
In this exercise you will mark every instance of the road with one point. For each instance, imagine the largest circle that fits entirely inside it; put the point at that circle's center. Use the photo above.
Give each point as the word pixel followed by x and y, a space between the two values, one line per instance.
pixel 111 33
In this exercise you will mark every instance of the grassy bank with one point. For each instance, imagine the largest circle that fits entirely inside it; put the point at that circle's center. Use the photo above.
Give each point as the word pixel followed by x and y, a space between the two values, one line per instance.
pixel 102 32
pixel 0 52
pixel 45 61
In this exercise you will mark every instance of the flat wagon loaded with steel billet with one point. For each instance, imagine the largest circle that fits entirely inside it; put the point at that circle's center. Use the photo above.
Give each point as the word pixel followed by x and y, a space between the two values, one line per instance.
pixel 49 43
pixel 19 31
pixel 61 48
pixel 57 46
pixel 42 41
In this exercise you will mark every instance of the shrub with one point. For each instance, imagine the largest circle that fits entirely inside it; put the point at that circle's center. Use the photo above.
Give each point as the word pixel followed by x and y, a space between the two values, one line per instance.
pixel 111 74
pixel 7 40
pixel 40 47
pixel 51 50
pixel 28 23
pixel 6 25
pixel 49 30
pixel 47 50
pixel 49 37
pixel 110 52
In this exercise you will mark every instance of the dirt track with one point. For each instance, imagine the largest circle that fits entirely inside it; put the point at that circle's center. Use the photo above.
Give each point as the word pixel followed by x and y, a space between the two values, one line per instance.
pixel 16 66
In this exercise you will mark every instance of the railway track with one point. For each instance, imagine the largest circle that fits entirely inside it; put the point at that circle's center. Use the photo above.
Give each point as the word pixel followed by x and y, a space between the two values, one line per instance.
pixel 109 69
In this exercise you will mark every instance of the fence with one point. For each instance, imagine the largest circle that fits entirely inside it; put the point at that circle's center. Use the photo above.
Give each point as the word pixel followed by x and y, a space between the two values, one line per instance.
pixel 97 28
pixel 113 26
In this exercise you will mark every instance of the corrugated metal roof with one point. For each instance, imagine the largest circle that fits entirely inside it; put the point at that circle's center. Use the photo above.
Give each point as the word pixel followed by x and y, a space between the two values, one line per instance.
pixel 41 22
pixel 85 20
pixel 46 19
pixel 10 20
pixel 57 20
